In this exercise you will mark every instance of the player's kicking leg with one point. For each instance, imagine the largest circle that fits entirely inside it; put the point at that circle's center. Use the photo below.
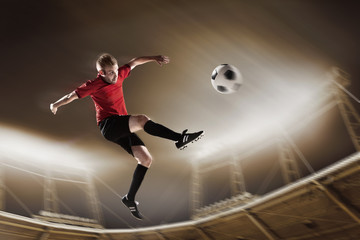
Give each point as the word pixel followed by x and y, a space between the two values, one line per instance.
pixel 140 122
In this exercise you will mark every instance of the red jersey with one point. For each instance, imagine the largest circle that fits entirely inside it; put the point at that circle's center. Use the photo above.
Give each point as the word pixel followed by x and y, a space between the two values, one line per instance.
pixel 108 98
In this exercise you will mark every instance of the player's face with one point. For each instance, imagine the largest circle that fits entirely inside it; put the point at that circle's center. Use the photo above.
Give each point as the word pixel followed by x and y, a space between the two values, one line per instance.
pixel 110 74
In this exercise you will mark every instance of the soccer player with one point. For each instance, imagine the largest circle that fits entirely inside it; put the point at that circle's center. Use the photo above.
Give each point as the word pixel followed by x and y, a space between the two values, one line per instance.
pixel 116 125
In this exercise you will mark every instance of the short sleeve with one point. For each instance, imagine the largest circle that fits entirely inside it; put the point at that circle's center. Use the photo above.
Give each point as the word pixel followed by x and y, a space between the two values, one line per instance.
pixel 124 71
pixel 85 89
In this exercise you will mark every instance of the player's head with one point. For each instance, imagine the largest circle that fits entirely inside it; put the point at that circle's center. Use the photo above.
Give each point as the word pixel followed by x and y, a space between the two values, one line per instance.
pixel 107 67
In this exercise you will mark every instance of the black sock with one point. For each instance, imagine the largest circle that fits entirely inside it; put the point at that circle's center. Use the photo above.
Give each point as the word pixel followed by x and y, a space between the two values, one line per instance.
pixel 159 130
pixel 138 177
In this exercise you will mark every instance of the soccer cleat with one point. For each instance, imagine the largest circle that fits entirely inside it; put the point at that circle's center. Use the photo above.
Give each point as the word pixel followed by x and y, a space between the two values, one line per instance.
pixel 132 205
pixel 187 138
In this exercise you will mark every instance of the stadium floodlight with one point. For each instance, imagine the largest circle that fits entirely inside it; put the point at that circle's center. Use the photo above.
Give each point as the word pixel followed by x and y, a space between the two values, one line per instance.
pixel 258 112
pixel 26 146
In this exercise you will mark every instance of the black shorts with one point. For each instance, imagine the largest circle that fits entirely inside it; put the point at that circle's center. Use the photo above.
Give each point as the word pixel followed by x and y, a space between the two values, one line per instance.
pixel 116 129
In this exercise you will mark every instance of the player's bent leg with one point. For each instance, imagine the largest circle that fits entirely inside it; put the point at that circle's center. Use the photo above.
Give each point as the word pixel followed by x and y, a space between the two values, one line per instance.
pixel 143 122
pixel 140 122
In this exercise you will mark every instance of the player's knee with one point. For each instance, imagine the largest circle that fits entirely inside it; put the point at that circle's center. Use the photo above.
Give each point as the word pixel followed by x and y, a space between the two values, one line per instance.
pixel 143 119
pixel 146 160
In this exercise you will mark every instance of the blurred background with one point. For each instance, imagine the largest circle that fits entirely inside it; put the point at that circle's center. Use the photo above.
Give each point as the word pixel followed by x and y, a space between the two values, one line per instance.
pixel 284 50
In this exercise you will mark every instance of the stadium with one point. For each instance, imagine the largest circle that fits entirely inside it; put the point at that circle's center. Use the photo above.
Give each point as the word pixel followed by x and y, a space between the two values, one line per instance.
pixel 280 156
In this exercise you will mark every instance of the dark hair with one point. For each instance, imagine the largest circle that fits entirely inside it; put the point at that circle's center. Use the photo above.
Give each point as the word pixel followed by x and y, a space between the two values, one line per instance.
pixel 104 60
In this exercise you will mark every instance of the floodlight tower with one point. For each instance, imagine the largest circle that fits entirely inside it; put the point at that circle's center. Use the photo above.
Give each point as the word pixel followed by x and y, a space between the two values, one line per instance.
pixel 196 188
pixel 289 167
pixel 351 118
pixel 338 81
pixel 51 203
pixel 237 177
pixel 236 183
pixel 93 199
pixel 50 193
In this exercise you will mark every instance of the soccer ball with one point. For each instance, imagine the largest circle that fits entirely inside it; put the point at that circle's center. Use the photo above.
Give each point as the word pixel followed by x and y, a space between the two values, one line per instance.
pixel 226 79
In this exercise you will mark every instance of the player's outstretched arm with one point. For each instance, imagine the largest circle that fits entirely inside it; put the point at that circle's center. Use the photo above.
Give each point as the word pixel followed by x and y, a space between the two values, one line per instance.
pixel 160 59
pixel 68 98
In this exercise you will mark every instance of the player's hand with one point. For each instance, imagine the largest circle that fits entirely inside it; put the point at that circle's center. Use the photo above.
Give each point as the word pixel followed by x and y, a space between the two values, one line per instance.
pixel 53 108
pixel 162 59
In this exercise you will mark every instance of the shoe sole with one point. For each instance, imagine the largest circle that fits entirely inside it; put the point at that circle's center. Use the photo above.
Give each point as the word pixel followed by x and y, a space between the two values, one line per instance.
pixel 195 140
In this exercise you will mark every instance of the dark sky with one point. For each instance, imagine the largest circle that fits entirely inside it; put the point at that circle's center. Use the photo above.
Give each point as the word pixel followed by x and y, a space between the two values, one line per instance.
pixel 282 48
